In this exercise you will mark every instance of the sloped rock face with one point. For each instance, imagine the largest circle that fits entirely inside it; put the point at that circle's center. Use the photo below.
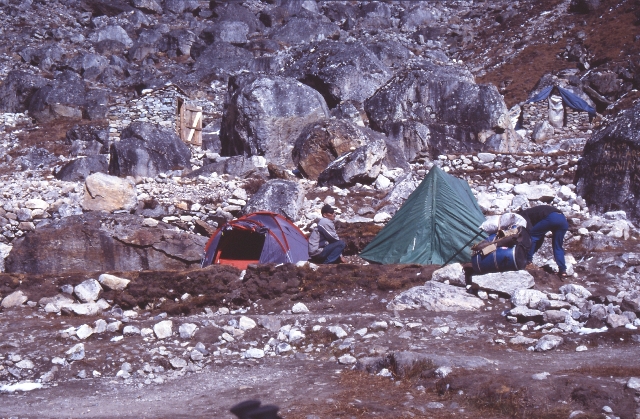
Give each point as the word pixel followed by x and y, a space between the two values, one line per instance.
pixel 111 243
pixel 265 116
pixel 341 71
pixel 147 150
pixel 434 109
pixel 320 143
pixel 608 177
pixel 66 97
pixel 17 89
pixel 78 169
pixel 283 197
pixel 361 165
pixel 219 60
pixel 300 30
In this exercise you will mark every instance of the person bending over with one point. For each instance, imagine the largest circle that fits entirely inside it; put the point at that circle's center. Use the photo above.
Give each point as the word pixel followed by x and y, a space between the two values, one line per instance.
pixel 324 244
pixel 540 220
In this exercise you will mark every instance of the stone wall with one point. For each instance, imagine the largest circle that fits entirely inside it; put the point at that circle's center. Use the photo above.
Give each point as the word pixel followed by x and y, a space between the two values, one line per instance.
pixel 158 106
pixel 533 113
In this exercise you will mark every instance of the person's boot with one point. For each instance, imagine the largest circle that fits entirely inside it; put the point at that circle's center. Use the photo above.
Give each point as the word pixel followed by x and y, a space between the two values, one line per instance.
pixel 243 409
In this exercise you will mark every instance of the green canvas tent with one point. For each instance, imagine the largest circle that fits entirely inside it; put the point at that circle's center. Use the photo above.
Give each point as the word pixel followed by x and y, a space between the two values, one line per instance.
pixel 437 220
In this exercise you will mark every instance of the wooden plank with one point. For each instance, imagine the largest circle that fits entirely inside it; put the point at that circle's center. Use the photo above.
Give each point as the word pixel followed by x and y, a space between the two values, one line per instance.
pixel 194 126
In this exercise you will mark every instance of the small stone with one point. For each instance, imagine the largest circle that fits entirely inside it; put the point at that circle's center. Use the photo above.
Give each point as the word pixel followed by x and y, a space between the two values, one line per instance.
pixel 178 363
pixel 347 359
pixel 616 320
pixel 100 326
pixel 163 329
pixel 146 332
pixel 634 383
pixel 187 330
pixel 338 331
pixel 84 331
pixel 581 348
pixel 76 353
pixel 283 348
pixel 299 308
pixel 25 364
pixel 434 405
pixel 540 376
pixel 15 299
pixel 88 290
pixel 254 353
pixel 380 325
pixel 130 331
pixel 114 326
pixel 113 282
pixel 246 323
pixel 548 342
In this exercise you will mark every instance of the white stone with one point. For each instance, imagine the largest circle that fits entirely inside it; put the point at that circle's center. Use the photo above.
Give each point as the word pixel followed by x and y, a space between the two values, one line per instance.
pixel 76 353
pixel 114 326
pixel 575 289
pixel 187 330
pixel 88 291
pixel 486 157
pixel 454 273
pixel 163 329
pixel 548 342
pixel 15 299
pixel 246 323
pixel 25 364
pixel 150 222
pixel 130 330
pixel 34 204
pixel 535 192
pixel 295 335
pixel 86 309
pixel 581 348
pixel 434 296
pixel 379 325
pixel 254 353
pixel 347 359
pixel 299 308
pixel 100 326
pixel 146 332
pixel 381 217
pixel 84 331
pixel 527 297
pixel 283 348
pixel 113 282
pixel 634 383
pixel 178 363
pixel 504 282
pixel 540 376
pixel 338 331
pixel 382 182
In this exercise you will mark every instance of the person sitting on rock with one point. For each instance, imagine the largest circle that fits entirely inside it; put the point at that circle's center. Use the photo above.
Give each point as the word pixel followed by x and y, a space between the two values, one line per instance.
pixel 540 220
pixel 324 244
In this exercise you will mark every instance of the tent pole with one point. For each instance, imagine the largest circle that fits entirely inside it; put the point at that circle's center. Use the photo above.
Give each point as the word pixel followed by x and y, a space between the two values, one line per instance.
pixel 463 247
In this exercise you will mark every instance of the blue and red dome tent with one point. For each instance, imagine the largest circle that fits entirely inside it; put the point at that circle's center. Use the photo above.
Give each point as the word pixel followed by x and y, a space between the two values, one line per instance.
pixel 260 237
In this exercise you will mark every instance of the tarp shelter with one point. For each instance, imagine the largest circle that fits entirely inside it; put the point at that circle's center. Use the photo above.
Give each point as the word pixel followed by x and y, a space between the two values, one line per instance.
pixel 568 98
pixel 260 237
pixel 437 220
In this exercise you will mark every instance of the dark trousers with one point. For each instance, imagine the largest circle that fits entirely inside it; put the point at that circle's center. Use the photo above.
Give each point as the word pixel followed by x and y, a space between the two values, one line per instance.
pixel 558 225
pixel 331 252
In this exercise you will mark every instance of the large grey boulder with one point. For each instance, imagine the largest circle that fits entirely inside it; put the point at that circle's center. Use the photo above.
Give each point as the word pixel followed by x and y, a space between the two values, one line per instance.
pixel 631 301
pixel 146 150
pixel 236 12
pixel 504 282
pixel 79 169
pixel 606 176
pixel 95 242
pixel 320 143
pixel 67 97
pixel 265 116
pixel 301 30
pixel 433 109
pixel 280 196
pixel 452 274
pixel 219 60
pixel 362 165
pixel 341 71
pixel 434 296
pixel 17 89
pixel 112 33
pixel 88 139
pixel 103 192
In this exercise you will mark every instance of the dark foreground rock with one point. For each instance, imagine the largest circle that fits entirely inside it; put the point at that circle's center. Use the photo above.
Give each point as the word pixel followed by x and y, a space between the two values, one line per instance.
pixel 147 150
pixel 97 242
pixel 608 177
